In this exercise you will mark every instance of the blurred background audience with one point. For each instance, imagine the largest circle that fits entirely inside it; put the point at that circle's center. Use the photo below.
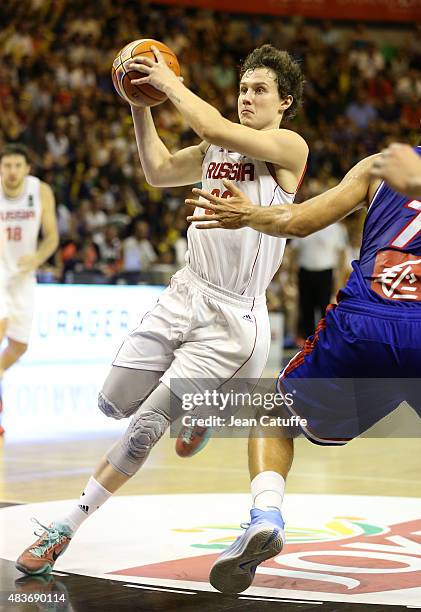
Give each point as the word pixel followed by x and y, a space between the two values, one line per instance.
pixel 363 91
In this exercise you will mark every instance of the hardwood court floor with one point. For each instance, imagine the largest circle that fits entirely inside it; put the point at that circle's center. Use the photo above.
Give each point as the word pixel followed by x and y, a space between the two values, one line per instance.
pixel 54 470
pixel 77 593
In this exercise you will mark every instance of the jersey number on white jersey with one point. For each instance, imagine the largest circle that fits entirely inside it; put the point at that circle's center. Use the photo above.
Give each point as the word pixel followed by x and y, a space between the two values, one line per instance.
pixel 14 233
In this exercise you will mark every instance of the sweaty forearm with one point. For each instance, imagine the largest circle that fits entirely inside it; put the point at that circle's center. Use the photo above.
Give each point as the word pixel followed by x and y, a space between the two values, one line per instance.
pixel 290 220
pixel 153 153
pixel 300 220
pixel 276 221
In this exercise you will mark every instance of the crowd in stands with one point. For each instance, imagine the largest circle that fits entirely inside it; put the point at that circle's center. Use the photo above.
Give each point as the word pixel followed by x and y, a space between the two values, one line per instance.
pixel 57 97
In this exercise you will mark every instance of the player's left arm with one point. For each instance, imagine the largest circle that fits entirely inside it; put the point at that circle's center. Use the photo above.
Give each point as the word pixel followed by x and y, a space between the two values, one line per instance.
pixel 282 147
pixel 293 220
pixel 50 240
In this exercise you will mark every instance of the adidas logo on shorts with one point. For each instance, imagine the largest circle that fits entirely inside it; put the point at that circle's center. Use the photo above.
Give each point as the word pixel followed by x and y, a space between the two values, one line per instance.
pixel 248 317
pixel 84 508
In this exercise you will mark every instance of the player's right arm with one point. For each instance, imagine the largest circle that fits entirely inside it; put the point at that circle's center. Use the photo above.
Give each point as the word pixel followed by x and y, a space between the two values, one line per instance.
pixel 162 168
pixel 50 240
pixel 293 220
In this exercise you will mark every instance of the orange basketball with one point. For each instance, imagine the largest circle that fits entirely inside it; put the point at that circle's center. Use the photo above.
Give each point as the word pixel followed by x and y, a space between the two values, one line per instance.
pixel 140 95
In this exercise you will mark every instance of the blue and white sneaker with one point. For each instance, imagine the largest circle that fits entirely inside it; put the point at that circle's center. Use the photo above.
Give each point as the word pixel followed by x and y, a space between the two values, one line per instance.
pixel 264 537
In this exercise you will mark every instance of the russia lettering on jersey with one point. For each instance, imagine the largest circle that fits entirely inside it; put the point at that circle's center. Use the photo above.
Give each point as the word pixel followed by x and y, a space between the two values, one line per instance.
pixel 17 215
pixel 389 268
pixel 234 172
pixel 241 261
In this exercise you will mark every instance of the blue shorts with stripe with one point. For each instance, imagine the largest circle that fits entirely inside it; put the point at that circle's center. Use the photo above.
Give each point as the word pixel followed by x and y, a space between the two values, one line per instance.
pixel 361 363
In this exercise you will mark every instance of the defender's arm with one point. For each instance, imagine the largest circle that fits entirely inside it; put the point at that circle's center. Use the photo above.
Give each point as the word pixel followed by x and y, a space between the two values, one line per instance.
pixel 294 220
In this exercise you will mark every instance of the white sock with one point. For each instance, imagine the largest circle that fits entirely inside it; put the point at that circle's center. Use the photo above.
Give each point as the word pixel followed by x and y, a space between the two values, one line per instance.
pixel 267 490
pixel 93 496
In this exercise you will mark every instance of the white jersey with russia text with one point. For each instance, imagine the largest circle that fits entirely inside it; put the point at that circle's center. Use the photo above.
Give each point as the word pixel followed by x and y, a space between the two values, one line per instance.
pixel 242 261
pixel 20 220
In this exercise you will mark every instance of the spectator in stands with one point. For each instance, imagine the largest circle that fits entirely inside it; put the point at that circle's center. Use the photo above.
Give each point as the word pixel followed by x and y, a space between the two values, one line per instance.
pixel 109 250
pixel 56 96
pixel 138 252
pixel 360 110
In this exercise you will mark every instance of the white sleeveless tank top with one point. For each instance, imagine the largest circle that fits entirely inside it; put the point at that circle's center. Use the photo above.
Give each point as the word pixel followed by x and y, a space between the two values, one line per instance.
pixel 20 220
pixel 242 261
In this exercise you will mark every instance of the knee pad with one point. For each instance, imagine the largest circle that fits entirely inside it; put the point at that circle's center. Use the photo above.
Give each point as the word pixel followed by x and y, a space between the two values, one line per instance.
pixel 144 432
pixel 130 452
pixel 108 407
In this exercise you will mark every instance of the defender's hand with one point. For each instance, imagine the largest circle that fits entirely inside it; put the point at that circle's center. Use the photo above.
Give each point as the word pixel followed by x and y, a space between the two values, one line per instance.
pixel 228 213
pixel 399 166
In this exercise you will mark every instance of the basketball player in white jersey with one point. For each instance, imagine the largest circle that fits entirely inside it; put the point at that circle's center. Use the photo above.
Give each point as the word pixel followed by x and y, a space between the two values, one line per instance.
pixel 26 205
pixel 211 322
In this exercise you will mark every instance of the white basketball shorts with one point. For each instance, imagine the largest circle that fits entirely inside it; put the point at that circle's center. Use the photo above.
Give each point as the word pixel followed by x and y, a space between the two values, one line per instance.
pixel 17 296
pixel 199 331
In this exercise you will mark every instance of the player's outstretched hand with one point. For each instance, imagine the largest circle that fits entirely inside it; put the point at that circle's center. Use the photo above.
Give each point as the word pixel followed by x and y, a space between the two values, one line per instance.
pixel 229 212
pixel 399 166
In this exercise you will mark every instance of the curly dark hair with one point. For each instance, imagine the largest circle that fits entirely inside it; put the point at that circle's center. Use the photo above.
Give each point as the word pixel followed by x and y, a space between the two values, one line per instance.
pixel 289 77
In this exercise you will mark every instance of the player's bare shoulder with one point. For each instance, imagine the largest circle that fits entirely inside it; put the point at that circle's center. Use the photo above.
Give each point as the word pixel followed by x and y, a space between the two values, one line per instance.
pixel 46 195
pixel 290 169
pixel 293 138
pixel 297 149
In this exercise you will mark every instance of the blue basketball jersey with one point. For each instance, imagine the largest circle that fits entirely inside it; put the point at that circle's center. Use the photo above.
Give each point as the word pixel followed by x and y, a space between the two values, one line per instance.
pixel 364 358
pixel 389 268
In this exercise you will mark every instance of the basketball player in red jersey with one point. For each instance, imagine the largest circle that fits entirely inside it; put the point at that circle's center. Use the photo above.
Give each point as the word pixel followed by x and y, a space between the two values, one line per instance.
pixel 26 205
pixel 211 322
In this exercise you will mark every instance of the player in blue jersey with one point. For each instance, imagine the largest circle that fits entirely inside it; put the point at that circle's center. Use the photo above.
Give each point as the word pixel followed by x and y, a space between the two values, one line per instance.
pixel 362 360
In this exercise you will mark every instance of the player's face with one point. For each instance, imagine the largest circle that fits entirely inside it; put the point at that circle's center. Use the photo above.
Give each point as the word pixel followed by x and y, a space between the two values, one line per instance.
pixel 13 170
pixel 259 104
